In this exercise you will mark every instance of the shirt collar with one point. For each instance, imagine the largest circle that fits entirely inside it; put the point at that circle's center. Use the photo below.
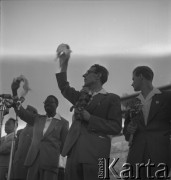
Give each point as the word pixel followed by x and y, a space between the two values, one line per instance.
pixel 102 91
pixel 10 134
pixel 150 95
pixel 57 116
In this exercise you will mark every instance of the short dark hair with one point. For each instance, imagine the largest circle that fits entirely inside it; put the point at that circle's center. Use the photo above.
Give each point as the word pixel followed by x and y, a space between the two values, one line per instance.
pixel 104 72
pixel 55 98
pixel 146 72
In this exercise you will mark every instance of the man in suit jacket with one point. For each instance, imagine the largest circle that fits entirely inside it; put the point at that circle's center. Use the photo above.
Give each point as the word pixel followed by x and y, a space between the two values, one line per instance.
pixel 22 145
pixel 5 147
pixel 49 133
pixel 88 138
pixel 150 128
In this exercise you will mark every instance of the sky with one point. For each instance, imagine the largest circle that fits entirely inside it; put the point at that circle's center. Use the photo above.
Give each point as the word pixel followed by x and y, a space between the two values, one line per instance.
pixel 119 34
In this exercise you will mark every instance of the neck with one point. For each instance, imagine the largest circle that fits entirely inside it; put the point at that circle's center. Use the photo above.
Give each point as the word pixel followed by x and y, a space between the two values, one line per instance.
pixel 146 89
pixel 51 115
pixel 9 132
pixel 96 88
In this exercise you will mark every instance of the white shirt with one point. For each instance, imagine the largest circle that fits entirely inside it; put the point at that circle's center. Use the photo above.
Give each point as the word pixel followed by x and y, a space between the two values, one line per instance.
pixel 146 102
pixel 48 122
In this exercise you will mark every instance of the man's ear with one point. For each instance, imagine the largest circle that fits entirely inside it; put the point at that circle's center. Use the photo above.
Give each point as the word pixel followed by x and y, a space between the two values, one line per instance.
pixel 99 75
pixel 141 76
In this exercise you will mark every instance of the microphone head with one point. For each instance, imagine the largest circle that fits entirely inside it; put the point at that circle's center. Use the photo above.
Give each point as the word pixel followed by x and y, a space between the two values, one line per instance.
pixel 6 96
pixel 6 111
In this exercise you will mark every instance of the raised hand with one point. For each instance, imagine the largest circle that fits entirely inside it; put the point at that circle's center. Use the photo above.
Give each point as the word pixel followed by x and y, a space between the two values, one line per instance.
pixel 63 54
pixel 14 86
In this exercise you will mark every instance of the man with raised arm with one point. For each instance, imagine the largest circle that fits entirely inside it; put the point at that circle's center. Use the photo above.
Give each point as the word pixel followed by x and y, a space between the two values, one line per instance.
pixel 89 136
pixel 49 133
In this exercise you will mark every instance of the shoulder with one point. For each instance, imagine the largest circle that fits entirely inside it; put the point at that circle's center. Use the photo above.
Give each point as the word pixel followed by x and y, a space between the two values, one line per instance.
pixel 39 116
pixel 113 96
pixel 19 132
pixel 165 95
pixel 64 121
pixel 9 137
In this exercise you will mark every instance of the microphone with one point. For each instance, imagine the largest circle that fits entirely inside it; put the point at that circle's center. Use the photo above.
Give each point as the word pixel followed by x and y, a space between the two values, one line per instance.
pixel 6 96
pixel 6 100
pixel 10 101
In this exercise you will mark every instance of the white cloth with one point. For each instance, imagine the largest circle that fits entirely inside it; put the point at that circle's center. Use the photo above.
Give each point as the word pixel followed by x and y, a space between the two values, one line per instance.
pixel 146 102
pixel 48 122
pixel 62 161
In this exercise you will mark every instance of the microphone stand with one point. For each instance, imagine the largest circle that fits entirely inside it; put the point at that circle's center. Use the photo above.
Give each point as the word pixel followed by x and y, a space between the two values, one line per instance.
pixel 2 109
pixel 18 105
pixel 12 150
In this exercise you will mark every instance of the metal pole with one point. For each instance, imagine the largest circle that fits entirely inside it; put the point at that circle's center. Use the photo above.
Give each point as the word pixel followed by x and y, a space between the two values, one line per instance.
pixel 12 150
pixel 2 109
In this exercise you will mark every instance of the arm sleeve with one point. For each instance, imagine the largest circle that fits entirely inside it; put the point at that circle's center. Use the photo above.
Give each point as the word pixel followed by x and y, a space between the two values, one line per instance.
pixel 25 115
pixel 5 147
pixel 64 133
pixel 126 122
pixel 111 125
pixel 68 92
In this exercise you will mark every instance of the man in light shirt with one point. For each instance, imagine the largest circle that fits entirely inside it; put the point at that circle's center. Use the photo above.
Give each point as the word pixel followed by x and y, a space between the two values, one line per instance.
pixel 95 119
pixel 150 128
pixel 49 133
pixel 5 147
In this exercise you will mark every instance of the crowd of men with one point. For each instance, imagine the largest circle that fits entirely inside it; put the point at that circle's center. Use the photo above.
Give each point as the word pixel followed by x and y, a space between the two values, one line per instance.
pixel 97 118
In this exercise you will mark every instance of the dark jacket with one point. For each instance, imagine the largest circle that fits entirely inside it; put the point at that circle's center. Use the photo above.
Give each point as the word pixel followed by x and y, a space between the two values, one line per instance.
pixel 91 139
pixel 153 138
pixel 47 146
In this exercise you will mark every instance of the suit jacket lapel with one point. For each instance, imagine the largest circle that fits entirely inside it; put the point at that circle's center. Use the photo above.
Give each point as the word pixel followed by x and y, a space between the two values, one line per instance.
pixel 72 137
pixel 96 101
pixel 51 127
pixel 154 108
pixel 40 126
pixel 142 121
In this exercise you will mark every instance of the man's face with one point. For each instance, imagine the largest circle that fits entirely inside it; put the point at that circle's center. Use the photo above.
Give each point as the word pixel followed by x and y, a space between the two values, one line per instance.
pixel 50 105
pixel 137 82
pixel 90 77
pixel 9 126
